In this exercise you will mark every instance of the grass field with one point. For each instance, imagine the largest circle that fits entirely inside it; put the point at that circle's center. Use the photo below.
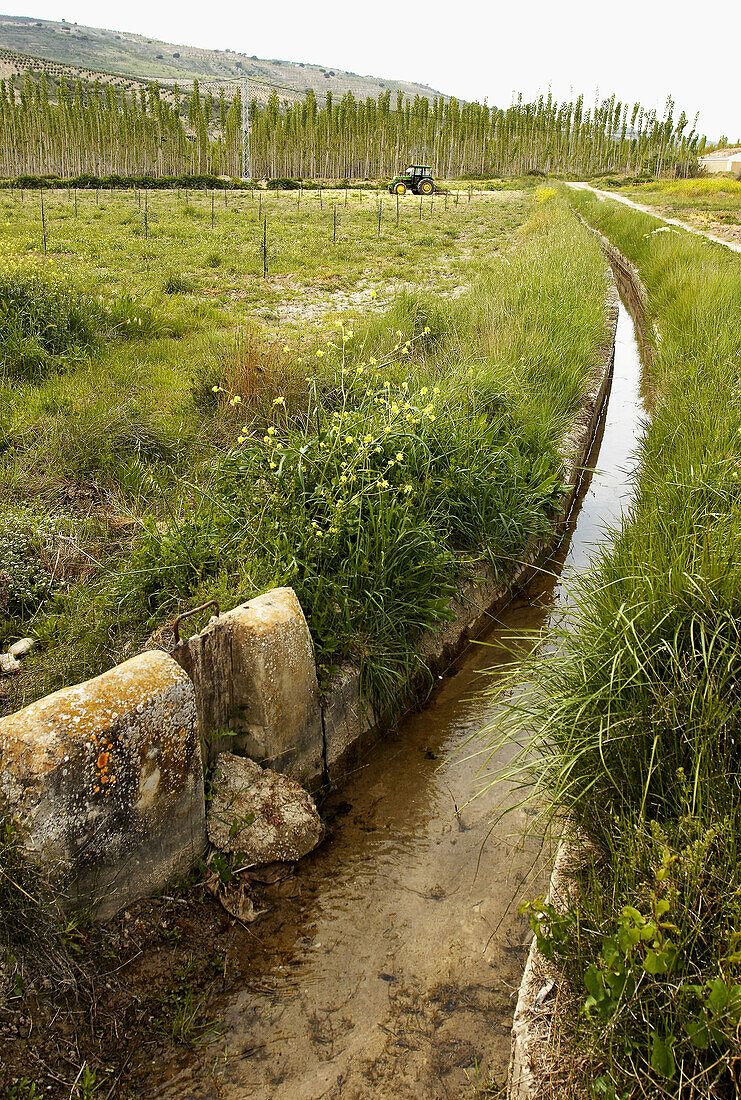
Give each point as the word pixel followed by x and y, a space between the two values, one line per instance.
pixel 177 426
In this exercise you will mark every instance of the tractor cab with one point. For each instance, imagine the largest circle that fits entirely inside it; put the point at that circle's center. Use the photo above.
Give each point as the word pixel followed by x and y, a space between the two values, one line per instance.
pixel 417 179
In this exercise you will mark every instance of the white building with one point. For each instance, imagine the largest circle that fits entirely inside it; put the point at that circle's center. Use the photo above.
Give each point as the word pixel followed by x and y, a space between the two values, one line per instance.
pixel 723 160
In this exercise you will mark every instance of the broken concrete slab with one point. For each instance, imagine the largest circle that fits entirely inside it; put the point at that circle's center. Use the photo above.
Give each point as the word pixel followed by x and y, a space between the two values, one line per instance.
pixel 255 677
pixel 106 782
pixel 260 813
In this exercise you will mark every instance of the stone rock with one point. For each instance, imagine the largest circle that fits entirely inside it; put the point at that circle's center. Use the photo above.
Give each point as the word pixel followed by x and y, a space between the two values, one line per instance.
pixel 106 782
pixel 260 813
pixel 255 676
pixel 8 664
pixel 21 647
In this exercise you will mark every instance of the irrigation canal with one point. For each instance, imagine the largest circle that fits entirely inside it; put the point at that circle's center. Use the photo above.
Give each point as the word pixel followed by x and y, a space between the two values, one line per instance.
pixel 388 964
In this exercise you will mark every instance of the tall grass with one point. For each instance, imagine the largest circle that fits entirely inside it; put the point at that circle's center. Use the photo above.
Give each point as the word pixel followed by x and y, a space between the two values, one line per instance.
pixel 636 714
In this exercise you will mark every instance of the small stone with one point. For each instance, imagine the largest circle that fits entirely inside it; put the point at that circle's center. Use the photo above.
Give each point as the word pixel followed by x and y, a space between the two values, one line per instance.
pixel 8 664
pixel 260 813
pixel 22 647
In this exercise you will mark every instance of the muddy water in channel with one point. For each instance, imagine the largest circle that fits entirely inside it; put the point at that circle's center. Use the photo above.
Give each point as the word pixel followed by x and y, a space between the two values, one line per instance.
pixel 388 964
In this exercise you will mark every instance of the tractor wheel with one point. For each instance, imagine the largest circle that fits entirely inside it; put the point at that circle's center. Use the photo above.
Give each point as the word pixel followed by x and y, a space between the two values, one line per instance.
pixel 426 187
pixel 400 189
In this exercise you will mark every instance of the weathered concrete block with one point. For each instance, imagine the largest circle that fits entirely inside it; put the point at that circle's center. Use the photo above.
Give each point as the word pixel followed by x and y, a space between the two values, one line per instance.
pixel 263 815
pixel 349 721
pixel 255 676
pixel 106 780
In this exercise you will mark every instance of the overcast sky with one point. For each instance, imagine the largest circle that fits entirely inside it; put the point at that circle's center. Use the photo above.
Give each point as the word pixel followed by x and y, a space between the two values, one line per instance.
pixel 640 49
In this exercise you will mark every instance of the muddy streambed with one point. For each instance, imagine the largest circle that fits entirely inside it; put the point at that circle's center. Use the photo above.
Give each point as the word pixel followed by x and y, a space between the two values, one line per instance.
pixel 388 963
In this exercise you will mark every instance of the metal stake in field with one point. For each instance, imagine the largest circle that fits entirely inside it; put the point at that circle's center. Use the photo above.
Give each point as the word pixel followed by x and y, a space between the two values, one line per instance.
pixel 146 215
pixel 420 208
pixel 334 228
pixel 213 200
pixel 380 209
pixel 321 204
pixel 265 248
pixel 75 203
pixel 259 207
pixel 397 209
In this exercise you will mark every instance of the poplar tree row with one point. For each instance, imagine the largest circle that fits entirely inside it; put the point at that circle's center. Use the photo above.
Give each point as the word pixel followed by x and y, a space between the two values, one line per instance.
pixel 98 130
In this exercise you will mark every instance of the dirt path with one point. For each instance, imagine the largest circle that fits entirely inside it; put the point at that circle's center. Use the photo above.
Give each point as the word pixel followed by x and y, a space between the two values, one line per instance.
pixel 735 246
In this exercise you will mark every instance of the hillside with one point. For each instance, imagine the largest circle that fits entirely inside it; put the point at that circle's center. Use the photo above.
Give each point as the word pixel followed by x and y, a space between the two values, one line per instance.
pixel 105 52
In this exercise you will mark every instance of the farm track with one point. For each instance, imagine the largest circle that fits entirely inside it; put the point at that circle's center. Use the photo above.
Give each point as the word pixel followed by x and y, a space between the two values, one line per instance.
pixel 735 246
pixel 389 963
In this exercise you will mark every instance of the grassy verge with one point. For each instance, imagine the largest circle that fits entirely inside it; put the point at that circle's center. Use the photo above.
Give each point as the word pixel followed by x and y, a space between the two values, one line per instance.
pixel 369 468
pixel 637 719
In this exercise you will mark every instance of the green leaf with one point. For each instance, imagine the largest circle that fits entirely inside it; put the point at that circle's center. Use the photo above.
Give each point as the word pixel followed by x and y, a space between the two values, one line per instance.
pixel 594 982
pixel 662 1056
pixel 655 962
pixel 698 1031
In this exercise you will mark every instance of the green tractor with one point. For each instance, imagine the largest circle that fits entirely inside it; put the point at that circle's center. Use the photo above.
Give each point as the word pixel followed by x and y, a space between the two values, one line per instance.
pixel 417 179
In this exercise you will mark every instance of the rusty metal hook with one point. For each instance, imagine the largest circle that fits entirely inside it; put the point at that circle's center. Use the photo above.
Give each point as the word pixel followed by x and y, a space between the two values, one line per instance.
pixel 187 614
